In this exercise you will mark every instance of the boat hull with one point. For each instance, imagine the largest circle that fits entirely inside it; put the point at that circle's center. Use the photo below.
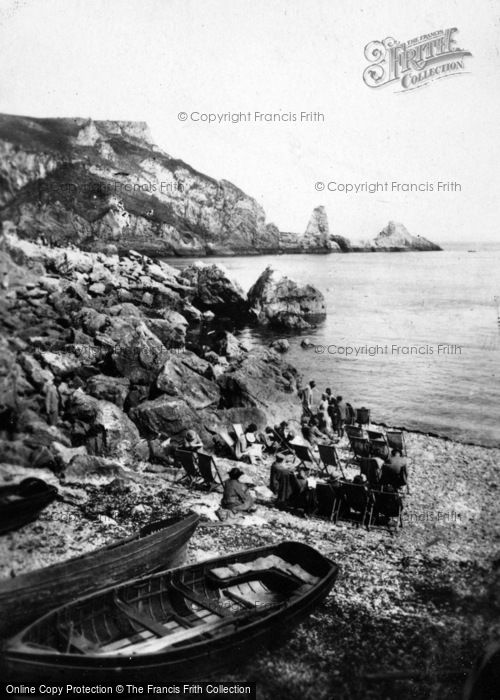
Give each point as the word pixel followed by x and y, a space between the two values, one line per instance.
pixel 203 660
pixel 26 507
pixel 26 597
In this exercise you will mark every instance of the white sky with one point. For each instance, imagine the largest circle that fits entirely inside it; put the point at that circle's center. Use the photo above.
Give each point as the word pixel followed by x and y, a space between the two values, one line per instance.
pixel 150 59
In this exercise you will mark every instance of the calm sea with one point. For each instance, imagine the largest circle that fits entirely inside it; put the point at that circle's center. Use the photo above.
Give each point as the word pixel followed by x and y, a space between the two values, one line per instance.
pixel 413 336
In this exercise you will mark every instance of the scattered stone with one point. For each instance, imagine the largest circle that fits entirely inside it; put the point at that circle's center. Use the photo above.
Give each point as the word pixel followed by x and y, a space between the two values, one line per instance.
pixel 282 345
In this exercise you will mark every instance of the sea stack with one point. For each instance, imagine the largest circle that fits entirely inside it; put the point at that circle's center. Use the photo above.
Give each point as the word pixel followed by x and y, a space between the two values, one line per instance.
pixel 278 301
pixel 396 237
pixel 317 233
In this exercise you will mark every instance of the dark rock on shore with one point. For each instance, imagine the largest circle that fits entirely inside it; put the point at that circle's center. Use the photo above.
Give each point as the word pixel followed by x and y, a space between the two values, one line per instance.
pixel 212 290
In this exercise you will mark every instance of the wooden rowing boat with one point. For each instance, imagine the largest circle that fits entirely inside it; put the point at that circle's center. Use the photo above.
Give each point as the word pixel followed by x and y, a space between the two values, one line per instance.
pixel 157 546
pixel 21 503
pixel 183 624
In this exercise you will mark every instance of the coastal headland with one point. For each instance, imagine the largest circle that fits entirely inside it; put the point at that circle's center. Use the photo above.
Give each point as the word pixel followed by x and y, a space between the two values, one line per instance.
pixel 97 184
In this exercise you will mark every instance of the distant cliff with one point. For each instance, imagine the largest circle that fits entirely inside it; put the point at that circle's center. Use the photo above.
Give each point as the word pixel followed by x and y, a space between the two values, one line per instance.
pixel 105 183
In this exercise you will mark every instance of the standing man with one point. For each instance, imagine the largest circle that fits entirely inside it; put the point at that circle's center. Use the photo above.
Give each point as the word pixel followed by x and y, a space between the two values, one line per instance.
pixel 333 412
pixel 308 397
pixel 342 414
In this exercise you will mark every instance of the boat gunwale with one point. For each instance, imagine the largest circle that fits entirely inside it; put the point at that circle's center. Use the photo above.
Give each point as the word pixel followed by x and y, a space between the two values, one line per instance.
pixel 45 574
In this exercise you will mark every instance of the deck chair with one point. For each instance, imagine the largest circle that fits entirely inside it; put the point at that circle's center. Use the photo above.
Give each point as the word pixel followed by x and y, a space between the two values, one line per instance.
pixel 328 501
pixel 360 446
pixel 357 498
pixel 329 458
pixel 235 447
pixel 207 467
pixel 188 461
pixel 304 454
pixel 353 431
pixel 363 416
pixel 285 444
pixel 396 440
pixel 387 505
pixel 375 435
pixel 370 468
pixel 380 448
pixel 240 434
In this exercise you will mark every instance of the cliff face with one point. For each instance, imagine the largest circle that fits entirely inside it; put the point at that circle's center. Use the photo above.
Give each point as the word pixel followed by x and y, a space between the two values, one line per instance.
pixel 95 183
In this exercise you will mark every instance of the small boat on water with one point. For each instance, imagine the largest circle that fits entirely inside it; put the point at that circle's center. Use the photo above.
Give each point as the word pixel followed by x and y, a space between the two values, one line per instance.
pixel 158 545
pixel 183 624
pixel 21 503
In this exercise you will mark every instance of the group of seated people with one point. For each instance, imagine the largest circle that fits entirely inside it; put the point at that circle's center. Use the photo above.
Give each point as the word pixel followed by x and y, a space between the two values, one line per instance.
pixel 294 488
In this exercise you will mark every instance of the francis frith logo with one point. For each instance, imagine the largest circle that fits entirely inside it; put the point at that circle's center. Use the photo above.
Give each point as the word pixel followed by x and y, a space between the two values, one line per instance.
pixel 414 63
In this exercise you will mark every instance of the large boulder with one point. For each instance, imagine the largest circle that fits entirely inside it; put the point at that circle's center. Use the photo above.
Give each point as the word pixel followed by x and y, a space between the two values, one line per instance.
pixel 111 433
pixel 165 415
pixel 170 329
pixel 213 290
pixel 278 301
pixel 261 380
pixel 83 466
pixel 181 378
pixel 138 353
pixel 113 389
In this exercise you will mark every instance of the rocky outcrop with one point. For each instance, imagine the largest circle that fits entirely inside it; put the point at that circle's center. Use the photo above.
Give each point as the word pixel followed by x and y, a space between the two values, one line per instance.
pixel 213 290
pixel 395 238
pixel 278 301
pixel 88 376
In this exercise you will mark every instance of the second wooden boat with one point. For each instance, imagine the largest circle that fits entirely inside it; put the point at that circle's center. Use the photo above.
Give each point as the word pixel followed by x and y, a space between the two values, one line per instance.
pixel 157 546
pixel 183 624
pixel 21 503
